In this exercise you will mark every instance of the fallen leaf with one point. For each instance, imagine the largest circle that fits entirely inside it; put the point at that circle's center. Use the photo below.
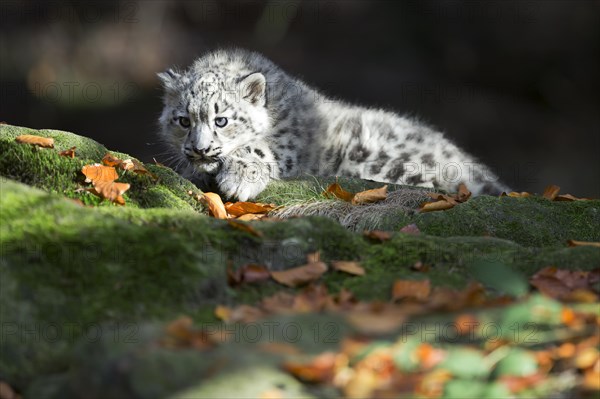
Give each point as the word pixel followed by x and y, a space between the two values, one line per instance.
pixel 320 369
pixel 573 243
pixel 99 173
pixel 435 206
pixel 339 192
pixel 378 235
pixel 564 284
pixel 463 193
pixel 569 197
pixel 244 227
pixel 410 229
pixel 215 205
pixel 6 391
pixel 300 275
pixel 551 192
pixel 429 356
pixel 313 257
pixel 70 153
pixel 249 273
pixel 369 196
pixel 110 190
pixel 411 289
pixel 242 208
pixel 136 166
pixel 111 160
pixel 248 217
pixel 223 313
pixel 515 194
pixel 45 142
pixel 348 267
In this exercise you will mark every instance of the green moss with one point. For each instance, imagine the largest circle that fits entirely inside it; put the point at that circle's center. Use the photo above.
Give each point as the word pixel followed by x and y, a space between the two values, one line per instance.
pixel 45 169
pixel 529 221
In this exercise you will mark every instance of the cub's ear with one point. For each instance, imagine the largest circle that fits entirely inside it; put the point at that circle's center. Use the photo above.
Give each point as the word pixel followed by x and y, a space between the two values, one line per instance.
pixel 169 79
pixel 254 88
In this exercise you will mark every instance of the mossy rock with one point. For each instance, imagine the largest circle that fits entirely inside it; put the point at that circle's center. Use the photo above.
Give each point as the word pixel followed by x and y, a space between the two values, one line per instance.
pixel 75 268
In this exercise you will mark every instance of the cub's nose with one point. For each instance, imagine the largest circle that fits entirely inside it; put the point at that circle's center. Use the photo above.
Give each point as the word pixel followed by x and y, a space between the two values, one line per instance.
pixel 192 152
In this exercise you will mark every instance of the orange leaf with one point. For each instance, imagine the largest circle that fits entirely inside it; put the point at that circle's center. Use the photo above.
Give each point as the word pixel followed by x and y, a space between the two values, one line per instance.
pixel 136 167
pixel 435 206
pixel 242 208
pixel 215 205
pixel 158 163
pixel 110 160
pixel 244 227
pixel 573 243
pixel 45 142
pixel 70 153
pixel 411 289
pixel 248 217
pixel 99 173
pixel 378 235
pixel 110 190
pixel 321 369
pixel 368 196
pixel 463 193
pixel 349 267
pixel 300 275
pixel 551 192
pixel 339 192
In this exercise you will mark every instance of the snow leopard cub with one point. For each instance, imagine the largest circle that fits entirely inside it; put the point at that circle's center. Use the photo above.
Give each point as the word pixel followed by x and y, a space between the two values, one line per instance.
pixel 237 120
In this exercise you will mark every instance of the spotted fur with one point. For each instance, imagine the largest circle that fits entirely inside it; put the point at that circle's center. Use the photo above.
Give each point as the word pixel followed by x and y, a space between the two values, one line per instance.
pixel 277 126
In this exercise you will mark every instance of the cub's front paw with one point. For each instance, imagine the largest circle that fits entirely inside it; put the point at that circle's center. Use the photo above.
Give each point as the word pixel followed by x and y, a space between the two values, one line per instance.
pixel 233 187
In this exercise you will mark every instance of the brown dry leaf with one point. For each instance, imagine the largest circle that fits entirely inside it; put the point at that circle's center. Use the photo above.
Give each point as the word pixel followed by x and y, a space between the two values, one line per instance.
pixel 429 356
pixel 349 267
pixel 569 197
pixel 440 205
pixel 110 190
pixel 215 205
pixel 463 193
pixel 136 166
pixel 339 192
pixel 410 229
pixel 313 257
pixel 45 142
pixel 242 208
pixel 99 173
pixel 362 384
pixel 244 227
pixel 518 383
pixel 111 160
pixel 574 243
pixel 369 196
pixel 433 383
pixel 70 153
pixel 320 369
pixel 250 217
pixel 378 235
pixel 466 323
pixel 591 380
pixel 411 289
pixel 551 192
pixel 181 334
pixel 515 194
pixel 223 313
pixel 249 273
pixel 300 275
pixel 571 285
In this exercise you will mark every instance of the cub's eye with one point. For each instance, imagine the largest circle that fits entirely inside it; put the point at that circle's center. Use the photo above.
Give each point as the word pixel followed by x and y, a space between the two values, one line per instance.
pixel 221 121
pixel 184 122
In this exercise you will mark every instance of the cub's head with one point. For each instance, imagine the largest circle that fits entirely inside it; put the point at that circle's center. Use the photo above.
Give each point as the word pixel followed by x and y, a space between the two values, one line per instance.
pixel 208 116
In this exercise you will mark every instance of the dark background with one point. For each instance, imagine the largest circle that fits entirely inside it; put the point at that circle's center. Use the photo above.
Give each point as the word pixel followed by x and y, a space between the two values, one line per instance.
pixel 514 82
